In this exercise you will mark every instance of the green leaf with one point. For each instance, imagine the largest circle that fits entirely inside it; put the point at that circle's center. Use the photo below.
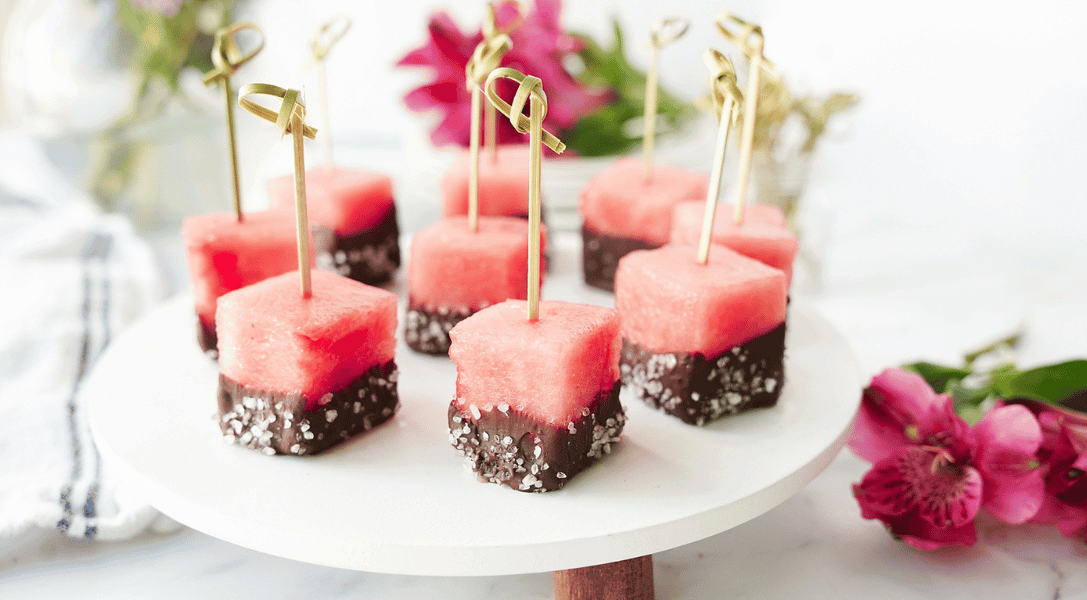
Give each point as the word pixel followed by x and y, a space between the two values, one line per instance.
pixel 938 376
pixel 1051 383
pixel 971 414
pixel 604 132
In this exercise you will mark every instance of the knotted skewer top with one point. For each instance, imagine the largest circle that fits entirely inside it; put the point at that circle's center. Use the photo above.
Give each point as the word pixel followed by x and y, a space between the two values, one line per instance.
pixel 724 92
pixel 529 86
pixel 747 38
pixel 486 58
pixel 327 36
pixel 291 118
pixel 227 56
pixel 292 105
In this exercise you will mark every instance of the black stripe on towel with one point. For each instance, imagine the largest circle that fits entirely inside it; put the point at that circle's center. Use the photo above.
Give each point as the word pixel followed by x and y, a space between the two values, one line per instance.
pixel 90 506
pixel 96 247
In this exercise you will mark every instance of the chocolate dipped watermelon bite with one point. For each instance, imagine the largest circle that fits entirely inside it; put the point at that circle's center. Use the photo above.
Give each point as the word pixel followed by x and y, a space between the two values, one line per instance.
pixel 762 235
pixel 623 211
pixel 537 401
pixel 704 327
pixel 502 189
pixel 454 272
pixel 225 253
pixel 701 341
pixel 306 358
pixel 537 382
pixel 355 217
pixel 299 374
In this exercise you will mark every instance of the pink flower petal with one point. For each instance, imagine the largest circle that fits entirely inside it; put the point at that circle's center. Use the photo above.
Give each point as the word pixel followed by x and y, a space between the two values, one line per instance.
pixel 883 491
pixel 920 480
pixel 540 47
pixel 897 406
pixel 1067 480
pixel 923 535
pixel 1008 440
pixel 925 507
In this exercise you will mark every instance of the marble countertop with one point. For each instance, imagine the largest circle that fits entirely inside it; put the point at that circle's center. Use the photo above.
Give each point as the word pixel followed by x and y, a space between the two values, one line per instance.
pixel 814 546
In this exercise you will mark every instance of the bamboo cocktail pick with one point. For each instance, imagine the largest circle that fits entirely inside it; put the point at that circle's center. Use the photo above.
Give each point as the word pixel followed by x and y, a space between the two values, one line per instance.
pixel 291 119
pixel 665 32
pixel 227 59
pixel 750 42
pixel 530 90
pixel 491 30
pixel 486 58
pixel 726 100
pixel 327 36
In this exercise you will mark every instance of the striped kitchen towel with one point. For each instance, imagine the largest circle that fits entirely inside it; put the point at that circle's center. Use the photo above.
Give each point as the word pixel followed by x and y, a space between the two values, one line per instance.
pixel 72 279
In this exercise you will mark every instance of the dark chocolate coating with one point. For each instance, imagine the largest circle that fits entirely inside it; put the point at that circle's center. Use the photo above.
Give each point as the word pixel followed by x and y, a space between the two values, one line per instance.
pixel 208 338
pixel 280 424
pixel 370 256
pixel 600 256
pixel 427 331
pixel 698 390
pixel 510 448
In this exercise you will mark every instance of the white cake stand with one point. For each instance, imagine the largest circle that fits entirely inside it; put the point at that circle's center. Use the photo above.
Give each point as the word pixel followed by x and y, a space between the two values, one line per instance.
pixel 396 499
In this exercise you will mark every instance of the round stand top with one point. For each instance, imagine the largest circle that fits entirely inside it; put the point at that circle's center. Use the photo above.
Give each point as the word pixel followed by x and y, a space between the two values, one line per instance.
pixel 397 500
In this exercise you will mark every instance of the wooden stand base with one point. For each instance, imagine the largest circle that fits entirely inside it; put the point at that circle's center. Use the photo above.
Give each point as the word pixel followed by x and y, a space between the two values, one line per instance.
pixel 624 580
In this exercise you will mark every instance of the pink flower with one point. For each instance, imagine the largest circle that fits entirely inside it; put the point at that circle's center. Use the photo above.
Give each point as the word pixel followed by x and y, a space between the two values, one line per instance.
pixel 932 472
pixel 1064 452
pixel 539 48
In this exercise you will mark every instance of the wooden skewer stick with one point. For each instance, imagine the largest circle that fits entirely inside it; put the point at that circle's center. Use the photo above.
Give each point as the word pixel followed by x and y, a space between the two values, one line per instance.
pixel 291 119
pixel 726 100
pixel 665 32
pixel 750 41
pixel 486 58
pixel 227 59
pixel 327 36
pixel 529 90
pixel 491 30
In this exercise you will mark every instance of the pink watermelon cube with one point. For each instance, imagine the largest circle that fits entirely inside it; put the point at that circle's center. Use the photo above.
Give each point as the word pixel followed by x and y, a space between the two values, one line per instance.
pixel 355 215
pixel 225 254
pixel 623 212
pixel 455 272
pixel 619 202
pixel 503 183
pixel 536 401
pixel 762 236
pixel 309 371
pixel 346 201
pixel 701 341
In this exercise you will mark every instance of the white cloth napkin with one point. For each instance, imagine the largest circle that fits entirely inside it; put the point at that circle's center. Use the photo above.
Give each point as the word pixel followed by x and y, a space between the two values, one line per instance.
pixel 72 278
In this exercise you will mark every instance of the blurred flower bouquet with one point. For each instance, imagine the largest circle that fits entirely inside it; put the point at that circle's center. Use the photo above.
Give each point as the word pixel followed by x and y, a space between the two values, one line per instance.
pixel 589 108
pixel 787 131
pixel 162 40
pixel 1010 441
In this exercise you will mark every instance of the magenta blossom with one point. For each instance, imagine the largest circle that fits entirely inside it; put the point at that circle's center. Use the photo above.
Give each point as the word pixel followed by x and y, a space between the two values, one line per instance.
pixel 932 472
pixel 1064 451
pixel 540 47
